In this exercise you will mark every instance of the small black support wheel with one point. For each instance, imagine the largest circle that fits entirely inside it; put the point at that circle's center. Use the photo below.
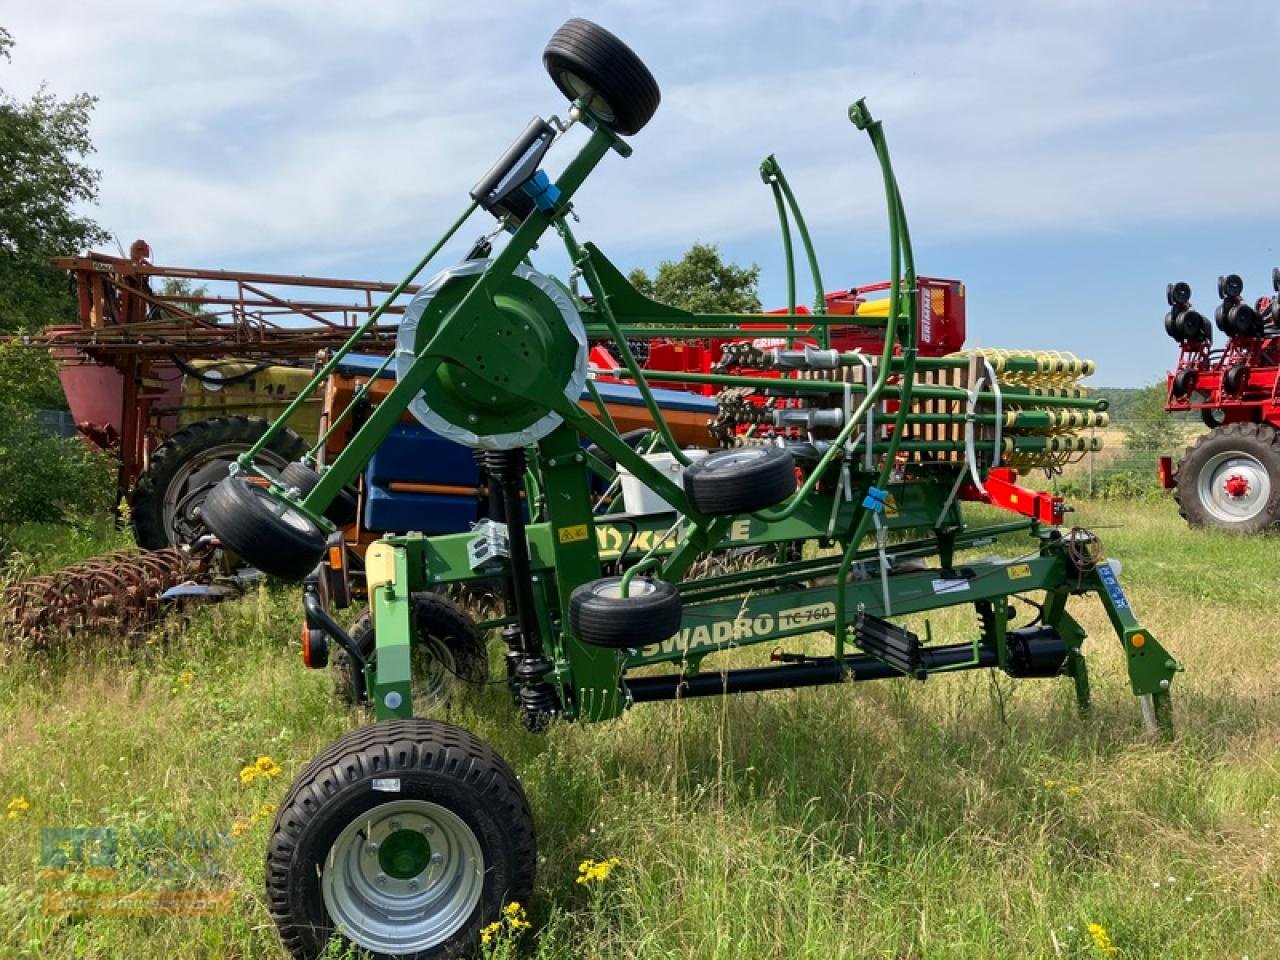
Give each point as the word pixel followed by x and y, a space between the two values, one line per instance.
pixel 404 838
pixel 1229 479
pixel 586 60
pixel 166 506
pixel 1234 380
pixel 740 480
pixel 341 511
pixel 632 438
pixel 1184 381
pixel 599 614
pixel 263 531
pixel 449 653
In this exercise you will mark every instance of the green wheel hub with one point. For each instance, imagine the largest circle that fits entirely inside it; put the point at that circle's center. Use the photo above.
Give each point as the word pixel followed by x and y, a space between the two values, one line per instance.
pixel 527 340
pixel 404 854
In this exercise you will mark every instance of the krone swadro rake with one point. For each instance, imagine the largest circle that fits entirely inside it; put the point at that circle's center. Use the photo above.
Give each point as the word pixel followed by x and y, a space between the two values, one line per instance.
pixel 407 836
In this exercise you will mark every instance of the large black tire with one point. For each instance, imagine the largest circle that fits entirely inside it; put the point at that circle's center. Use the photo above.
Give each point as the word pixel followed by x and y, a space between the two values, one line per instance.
pixel 740 480
pixel 600 615
pixel 1229 479
pixel 341 511
pixel 452 795
pixel 449 654
pixel 166 505
pixel 263 531
pixel 585 59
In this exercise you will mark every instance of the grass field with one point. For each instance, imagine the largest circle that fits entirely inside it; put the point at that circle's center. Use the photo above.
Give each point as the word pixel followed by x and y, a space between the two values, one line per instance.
pixel 971 816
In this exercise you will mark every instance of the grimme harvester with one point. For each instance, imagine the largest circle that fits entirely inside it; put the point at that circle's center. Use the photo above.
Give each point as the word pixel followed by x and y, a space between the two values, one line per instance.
pixel 407 836
pixel 1230 477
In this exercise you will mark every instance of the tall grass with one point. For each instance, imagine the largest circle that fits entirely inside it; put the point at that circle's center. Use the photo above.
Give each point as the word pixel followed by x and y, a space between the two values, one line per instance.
pixel 968 816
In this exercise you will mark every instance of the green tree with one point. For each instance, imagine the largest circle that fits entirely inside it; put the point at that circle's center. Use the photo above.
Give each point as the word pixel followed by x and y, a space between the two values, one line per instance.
pixel 1148 428
pixel 701 282
pixel 186 294
pixel 43 181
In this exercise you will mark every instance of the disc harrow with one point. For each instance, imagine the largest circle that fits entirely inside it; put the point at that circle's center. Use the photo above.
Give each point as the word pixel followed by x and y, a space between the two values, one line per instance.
pixel 120 592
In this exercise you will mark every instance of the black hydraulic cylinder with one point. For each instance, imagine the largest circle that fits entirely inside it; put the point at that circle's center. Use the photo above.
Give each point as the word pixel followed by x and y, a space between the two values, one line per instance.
pixel 812 674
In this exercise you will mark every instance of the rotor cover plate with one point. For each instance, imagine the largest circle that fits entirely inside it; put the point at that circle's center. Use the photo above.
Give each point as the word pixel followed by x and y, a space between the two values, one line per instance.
pixel 485 392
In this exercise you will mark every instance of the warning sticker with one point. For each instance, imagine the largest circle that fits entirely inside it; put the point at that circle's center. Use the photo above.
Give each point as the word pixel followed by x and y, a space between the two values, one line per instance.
pixel 1019 571
pixel 573 534
pixel 950 586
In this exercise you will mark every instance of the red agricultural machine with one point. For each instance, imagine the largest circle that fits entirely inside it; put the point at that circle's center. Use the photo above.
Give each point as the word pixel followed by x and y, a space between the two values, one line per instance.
pixel 1229 478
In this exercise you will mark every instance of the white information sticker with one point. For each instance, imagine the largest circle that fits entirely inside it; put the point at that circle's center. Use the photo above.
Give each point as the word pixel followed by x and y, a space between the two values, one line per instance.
pixel 950 586
pixel 386 785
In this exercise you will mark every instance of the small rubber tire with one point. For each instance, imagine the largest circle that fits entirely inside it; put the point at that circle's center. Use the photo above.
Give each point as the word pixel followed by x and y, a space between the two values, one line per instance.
pixel 632 438
pixel 740 480
pixel 444 636
pixel 179 458
pixel 1184 381
pixel 263 531
pixel 585 59
pixel 341 511
pixel 1259 443
pixel 601 616
pixel 417 760
pixel 1234 380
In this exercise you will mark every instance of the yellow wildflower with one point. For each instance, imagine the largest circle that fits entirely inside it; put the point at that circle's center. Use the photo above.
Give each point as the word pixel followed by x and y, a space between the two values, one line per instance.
pixel 1102 940
pixel 266 810
pixel 596 871
pixel 267 767
pixel 239 827
pixel 17 807
pixel 186 677
pixel 489 932
pixel 248 775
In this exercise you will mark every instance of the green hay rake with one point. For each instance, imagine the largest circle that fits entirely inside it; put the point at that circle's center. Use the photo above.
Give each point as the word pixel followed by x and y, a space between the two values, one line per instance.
pixel 840 479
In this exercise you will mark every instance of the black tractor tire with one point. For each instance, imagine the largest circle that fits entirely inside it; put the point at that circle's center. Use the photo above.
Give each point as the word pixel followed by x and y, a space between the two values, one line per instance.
pixel 740 480
pixel 187 465
pixel 600 615
pixel 263 531
pixel 585 59
pixel 442 781
pixel 449 653
pixel 341 511
pixel 1243 454
pixel 632 438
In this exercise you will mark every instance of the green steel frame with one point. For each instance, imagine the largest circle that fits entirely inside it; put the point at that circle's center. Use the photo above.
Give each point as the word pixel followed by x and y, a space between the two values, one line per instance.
pixel 568 541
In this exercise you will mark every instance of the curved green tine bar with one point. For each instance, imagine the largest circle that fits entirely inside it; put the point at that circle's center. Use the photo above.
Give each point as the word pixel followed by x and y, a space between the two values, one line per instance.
pixel 768 173
pixel 819 289
pixel 891 329
pixel 862 119
pixel 246 458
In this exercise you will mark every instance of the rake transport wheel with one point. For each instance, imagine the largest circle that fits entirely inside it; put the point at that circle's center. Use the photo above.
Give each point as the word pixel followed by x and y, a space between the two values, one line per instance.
pixel 341 512
pixel 167 501
pixel 1229 479
pixel 263 531
pixel 599 614
pixel 403 838
pixel 740 480
pixel 587 61
pixel 448 653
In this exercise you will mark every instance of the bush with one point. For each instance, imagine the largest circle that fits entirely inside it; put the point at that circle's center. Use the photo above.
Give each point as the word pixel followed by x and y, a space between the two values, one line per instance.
pixel 43 477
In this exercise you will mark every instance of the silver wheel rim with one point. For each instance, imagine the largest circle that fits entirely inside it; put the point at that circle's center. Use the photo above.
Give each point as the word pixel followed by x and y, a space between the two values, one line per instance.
pixel 185 493
pixel 392 911
pixel 731 458
pixel 636 588
pixel 584 91
pixel 1234 487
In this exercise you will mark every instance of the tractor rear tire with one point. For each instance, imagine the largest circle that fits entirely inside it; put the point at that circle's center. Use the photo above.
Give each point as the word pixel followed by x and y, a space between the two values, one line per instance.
pixel 586 60
pixel 341 511
pixel 263 531
pixel 167 501
pixel 740 480
pixel 1229 479
pixel 601 616
pixel 449 653
pixel 404 838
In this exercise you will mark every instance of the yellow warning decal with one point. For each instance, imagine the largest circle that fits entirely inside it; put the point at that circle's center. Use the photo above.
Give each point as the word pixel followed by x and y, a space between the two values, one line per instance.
pixel 1019 571
pixel 574 534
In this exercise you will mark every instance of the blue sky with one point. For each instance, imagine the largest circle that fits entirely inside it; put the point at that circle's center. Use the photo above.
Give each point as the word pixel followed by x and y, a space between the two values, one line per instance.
pixel 1066 160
